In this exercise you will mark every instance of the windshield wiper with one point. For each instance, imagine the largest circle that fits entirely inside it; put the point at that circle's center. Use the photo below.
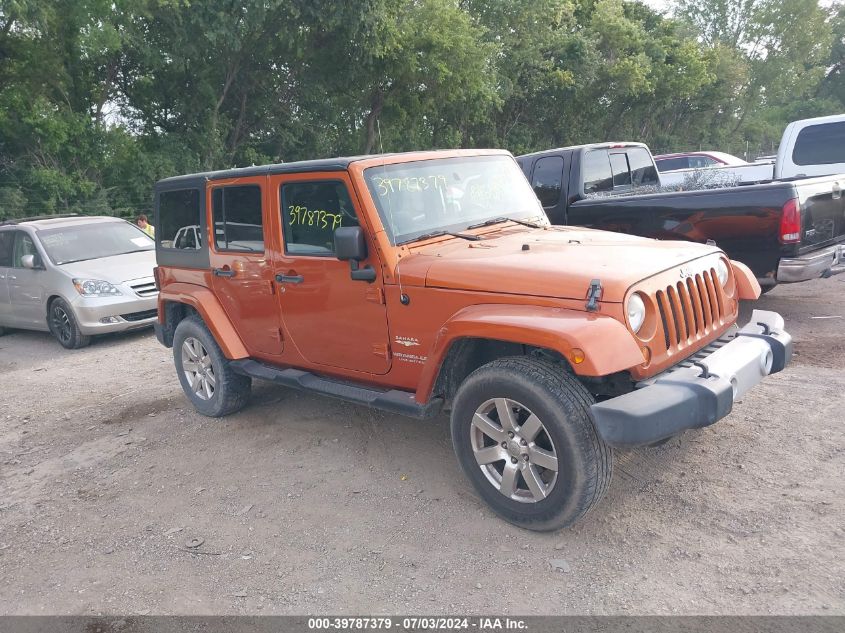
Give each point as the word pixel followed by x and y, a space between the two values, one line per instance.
pixel 427 236
pixel 533 225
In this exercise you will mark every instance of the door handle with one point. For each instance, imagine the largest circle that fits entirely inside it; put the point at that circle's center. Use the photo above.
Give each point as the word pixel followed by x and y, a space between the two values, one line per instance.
pixel 223 272
pixel 289 279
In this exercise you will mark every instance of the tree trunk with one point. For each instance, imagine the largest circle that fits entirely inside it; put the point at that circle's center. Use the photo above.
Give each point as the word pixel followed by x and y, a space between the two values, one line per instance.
pixel 376 105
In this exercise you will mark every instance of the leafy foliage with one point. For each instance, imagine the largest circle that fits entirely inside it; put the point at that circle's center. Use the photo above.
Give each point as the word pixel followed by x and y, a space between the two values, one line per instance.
pixel 98 99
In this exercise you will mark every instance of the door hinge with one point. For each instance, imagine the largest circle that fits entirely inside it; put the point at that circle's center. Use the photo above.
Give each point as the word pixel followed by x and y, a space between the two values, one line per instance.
pixel 375 295
pixel 382 350
pixel 272 287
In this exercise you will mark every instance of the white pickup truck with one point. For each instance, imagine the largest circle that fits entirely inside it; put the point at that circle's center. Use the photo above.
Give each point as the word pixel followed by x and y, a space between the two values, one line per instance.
pixel 810 147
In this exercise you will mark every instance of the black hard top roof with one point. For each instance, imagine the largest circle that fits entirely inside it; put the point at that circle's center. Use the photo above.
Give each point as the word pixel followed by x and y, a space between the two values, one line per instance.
pixel 322 164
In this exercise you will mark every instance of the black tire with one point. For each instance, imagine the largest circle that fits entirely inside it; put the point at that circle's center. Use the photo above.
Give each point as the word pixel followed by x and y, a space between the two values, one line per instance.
pixel 231 390
pixel 585 462
pixel 63 325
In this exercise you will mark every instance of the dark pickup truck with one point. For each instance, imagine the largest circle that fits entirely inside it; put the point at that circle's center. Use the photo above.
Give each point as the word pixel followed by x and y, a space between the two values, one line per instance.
pixel 784 230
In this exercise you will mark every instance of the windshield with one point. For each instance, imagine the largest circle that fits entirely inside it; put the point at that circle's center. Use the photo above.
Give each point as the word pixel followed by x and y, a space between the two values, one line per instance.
pixel 92 241
pixel 449 194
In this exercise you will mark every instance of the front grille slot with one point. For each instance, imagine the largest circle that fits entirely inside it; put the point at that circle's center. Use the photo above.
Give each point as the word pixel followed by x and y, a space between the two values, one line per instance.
pixel 145 288
pixel 691 309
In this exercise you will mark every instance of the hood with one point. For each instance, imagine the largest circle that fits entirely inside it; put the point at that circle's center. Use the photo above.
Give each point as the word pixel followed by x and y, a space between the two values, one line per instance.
pixel 557 262
pixel 115 269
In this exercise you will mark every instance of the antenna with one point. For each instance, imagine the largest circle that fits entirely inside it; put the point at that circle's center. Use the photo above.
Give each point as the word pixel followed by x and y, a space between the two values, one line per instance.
pixel 403 298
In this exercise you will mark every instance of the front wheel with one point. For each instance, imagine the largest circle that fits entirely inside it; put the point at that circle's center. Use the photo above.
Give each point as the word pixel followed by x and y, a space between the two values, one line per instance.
pixel 523 435
pixel 205 373
pixel 64 326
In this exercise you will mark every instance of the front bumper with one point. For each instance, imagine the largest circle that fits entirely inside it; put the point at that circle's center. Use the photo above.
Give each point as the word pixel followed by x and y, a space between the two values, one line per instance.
pixel 102 315
pixel 822 263
pixel 700 390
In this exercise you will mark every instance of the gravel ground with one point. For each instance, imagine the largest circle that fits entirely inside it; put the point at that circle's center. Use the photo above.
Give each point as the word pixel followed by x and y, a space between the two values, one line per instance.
pixel 109 480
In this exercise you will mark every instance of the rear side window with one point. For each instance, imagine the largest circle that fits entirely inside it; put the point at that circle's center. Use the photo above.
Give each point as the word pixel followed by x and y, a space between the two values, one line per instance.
pixel 238 224
pixel 642 167
pixel 597 174
pixel 621 172
pixel 7 238
pixel 822 144
pixel 311 211
pixel 179 216
pixel 548 174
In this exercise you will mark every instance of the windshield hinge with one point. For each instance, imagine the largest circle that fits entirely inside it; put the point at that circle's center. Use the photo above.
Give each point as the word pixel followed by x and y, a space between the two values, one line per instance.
pixel 594 295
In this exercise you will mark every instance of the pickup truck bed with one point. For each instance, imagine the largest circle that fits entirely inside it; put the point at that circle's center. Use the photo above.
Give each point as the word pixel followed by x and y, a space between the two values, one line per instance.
pixel 756 224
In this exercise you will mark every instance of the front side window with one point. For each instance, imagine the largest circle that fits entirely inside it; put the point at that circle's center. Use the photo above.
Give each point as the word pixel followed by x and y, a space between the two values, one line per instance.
pixel 23 246
pixel 82 242
pixel 311 211
pixel 597 174
pixel 238 224
pixel 548 173
pixel 449 194
pixel 179 217
pixel 822 144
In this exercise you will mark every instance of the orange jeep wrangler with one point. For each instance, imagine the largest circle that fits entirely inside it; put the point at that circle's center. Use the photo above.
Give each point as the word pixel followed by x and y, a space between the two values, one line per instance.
pixel 413 282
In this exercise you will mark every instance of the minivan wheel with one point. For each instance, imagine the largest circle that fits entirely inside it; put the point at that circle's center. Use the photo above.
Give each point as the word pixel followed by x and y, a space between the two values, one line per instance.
pixel 205 373
pixel 523 435
pixel 64 326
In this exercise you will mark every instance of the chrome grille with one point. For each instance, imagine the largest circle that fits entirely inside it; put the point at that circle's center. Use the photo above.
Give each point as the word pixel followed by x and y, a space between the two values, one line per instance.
pixel 144 287
pixel 691 309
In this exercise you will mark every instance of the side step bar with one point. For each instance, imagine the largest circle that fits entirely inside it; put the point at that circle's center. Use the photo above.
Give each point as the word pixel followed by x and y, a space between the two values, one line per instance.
pixel 392 400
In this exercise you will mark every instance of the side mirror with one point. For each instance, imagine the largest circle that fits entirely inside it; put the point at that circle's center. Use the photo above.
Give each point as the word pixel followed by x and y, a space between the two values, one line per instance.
pixel 30 261
pixel 350 245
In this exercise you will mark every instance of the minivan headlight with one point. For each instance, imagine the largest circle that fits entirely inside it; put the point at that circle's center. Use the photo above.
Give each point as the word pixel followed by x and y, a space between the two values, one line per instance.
pixel 95 288
pixel 635 310
pixel 722 272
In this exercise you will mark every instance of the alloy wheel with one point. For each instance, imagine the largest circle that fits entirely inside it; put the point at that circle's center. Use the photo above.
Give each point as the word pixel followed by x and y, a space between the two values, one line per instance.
pixel 514 450
pixel 196 363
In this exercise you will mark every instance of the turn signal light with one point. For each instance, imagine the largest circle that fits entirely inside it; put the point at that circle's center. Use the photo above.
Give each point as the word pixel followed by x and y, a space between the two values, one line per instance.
pixel 577 356
pixel 790 222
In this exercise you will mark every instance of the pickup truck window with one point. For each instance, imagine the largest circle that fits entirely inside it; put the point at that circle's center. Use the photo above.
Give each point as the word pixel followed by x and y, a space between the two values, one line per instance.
pixel 237 218
pixel 448 194
pixel 179 210
pixel 643 171
pixel 671 164
pixel 621 171
pixel 597 174
pixel 311 211
pixel 548 174
pixel 822 144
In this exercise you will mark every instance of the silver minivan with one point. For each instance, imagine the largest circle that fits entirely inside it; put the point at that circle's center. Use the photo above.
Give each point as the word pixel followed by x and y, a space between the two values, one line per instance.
pixel 76 276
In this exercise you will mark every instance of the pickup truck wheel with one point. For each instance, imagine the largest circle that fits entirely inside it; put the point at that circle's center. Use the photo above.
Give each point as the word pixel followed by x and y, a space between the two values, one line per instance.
pixel 523 435
pixel 205 373
pixel 63 325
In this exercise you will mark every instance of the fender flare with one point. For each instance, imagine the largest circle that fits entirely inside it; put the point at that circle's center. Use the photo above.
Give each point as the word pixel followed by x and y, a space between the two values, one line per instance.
pixel 212 313
pixel 747 286
pixel 607 344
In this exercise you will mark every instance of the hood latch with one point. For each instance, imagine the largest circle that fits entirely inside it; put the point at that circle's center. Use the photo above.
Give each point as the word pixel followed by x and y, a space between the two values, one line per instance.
pixel 594 295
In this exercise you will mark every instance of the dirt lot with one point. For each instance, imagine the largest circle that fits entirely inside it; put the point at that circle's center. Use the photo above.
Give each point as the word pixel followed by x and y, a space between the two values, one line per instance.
pixel 308 505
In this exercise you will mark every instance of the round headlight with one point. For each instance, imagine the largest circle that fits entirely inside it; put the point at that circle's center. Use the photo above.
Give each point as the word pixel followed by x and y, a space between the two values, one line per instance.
pixel 722 272
pixel 636 312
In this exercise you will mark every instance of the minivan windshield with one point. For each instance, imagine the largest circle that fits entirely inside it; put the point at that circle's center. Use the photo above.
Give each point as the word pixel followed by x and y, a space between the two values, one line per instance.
pixel 81 242
pixel 450 194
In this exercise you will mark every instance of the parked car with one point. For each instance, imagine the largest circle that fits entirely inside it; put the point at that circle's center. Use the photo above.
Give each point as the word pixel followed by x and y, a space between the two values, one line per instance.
pixel 809 147
pixel 785 231
pixel 76 277
pixel 694 160
pixel 407 282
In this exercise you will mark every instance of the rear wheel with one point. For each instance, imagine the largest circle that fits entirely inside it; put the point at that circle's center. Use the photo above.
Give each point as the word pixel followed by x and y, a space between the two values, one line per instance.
pixel 64 326
pixel 523 434
pixel 205 373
